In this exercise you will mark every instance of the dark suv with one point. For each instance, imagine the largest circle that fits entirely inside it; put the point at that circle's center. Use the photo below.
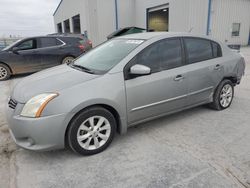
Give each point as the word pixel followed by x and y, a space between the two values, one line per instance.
pixel 37 53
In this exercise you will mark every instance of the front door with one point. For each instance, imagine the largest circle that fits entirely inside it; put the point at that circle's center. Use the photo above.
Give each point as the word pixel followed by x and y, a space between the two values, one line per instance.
pixel 25 58
pixel 165 89
pixel 50 51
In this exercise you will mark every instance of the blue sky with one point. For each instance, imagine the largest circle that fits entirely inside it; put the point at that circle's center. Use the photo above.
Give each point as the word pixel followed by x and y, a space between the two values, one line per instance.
pixel 27 17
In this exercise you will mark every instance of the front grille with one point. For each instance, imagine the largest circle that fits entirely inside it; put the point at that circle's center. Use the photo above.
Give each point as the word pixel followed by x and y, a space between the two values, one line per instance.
pixel 12 103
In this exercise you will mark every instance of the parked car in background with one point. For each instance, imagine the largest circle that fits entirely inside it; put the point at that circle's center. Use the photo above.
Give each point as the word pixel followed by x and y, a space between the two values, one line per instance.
pixel 37 53
pixel 126 31
pixel 2 45
pixel 235 47
pixel 123 82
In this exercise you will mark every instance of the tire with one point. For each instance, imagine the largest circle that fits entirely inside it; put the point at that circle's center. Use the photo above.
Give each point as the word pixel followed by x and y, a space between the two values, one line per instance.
pixel 4 72
pixel 67 60
pixel 82 138
pixel 222 94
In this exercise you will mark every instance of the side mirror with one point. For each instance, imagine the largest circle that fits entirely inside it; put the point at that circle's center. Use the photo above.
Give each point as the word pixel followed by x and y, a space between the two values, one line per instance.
pixel 15 50
pixel 138 70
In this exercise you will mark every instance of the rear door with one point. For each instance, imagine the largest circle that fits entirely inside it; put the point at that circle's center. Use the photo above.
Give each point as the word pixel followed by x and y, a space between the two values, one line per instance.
pixel 204 68
pixel 50 52
pixel 165 89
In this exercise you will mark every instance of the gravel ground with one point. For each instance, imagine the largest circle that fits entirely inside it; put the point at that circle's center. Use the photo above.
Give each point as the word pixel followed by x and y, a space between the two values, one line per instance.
pixel 195 148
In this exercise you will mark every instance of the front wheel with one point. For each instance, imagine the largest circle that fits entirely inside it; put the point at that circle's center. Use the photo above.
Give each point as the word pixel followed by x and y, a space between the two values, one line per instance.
pixel 91 131
pixel 4 72
pixel 223 95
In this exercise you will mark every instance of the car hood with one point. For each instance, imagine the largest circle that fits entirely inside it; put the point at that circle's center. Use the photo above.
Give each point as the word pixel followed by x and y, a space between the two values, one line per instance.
pixel 50 80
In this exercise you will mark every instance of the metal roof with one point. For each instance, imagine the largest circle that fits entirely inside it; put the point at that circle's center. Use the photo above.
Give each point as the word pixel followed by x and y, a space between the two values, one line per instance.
pixel 57 7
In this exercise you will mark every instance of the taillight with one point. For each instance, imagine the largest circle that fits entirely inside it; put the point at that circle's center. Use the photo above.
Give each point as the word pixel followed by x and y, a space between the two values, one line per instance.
pixel 89 42
pixel 82 47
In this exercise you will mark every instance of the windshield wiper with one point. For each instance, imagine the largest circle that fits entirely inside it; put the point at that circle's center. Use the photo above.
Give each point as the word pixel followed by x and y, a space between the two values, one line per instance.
pixel 83 68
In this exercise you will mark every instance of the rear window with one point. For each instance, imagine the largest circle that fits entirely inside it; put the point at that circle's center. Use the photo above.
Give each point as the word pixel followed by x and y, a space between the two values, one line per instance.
pixel 73 40
pixel 198 49
pixel 216 50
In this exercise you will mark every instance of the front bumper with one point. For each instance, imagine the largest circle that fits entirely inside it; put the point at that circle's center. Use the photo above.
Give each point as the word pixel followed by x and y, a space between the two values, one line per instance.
pixel 40 134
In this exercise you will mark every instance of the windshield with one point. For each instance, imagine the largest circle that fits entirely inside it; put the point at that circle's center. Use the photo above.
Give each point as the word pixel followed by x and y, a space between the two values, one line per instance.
pixel 107 55
pixel 12 45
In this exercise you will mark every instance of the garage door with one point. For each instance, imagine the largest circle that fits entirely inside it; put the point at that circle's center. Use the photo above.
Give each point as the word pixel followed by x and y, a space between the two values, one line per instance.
pixel 158 18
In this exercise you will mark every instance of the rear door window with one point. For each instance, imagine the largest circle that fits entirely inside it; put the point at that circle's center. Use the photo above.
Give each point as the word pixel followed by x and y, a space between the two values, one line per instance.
pixel 71 40
pixel 216 50
pixel 47 42
pixel 198 49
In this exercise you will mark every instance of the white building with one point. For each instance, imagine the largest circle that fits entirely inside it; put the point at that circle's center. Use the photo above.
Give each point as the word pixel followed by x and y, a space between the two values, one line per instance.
pixel 226 20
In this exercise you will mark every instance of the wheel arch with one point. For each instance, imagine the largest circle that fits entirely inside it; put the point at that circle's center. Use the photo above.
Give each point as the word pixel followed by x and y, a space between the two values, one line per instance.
pixel 11 71
pixel 233 79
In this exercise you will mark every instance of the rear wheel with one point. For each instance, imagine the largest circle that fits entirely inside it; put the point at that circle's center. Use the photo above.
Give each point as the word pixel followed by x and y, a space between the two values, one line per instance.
pixel 67 60
pixel 223 95
pixel 91 131
pixel 4 72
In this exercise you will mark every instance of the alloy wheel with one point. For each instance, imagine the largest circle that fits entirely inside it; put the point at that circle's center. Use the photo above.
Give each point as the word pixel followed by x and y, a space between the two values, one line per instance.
pixel 3 73
pixel 67 60
pixel 226 95
pixel 94 132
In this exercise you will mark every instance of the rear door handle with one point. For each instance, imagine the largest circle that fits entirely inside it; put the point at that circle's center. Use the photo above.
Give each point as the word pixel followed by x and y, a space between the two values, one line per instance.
pixel 178 78
pixel 217 67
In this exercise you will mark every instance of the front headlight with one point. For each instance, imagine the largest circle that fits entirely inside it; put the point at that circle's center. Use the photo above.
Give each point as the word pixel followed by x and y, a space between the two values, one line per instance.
pixel 35 106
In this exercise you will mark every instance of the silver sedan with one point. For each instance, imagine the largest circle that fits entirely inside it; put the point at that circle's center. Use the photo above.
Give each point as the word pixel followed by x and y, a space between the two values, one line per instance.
pixel 123 82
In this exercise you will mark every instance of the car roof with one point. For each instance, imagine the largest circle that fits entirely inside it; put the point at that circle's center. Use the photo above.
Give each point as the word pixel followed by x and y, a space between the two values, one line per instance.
pixel 151 35
pixel 51 36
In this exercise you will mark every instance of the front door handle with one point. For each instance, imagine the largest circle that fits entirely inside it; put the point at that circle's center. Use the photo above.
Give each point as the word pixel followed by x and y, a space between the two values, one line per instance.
pixel 217 67
pixel 178 78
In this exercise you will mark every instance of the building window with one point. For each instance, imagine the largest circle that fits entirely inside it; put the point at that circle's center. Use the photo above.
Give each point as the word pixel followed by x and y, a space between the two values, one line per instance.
pixel 59 28
pixel 236 29
pixel 158 18
pixel 66 26
pixel 76 24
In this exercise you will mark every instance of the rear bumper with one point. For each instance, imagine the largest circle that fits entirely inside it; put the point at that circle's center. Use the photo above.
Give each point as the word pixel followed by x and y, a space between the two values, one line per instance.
pixel 238 80
pixel 39 134
pixel 241 69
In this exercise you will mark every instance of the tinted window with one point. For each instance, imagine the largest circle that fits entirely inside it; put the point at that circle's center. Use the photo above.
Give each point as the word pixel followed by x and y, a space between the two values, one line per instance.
pixel 171 54
pixel 198 49
pixel 163 55
pixel 47 42
pixel 71 40
pixel 27 45
pixel 58 42
pixel 216 50
pixel 150 57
